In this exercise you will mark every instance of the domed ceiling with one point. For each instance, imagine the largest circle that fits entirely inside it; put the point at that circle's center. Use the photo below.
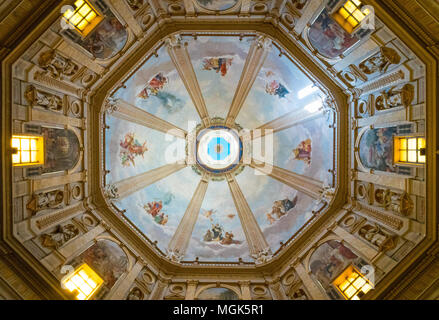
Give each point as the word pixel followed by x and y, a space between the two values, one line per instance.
pixel 280 88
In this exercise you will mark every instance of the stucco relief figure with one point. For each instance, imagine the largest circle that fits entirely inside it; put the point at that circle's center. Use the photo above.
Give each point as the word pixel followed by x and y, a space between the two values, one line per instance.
pixel 156 84
pixel 135 294
pixel 130 148
pixel 399 202
pixel 280 208
pixel 329 38
pixel 394 98
pixel 135 4
pixel 37 98
pixel 46 200
pixel 107 39
pixel 218 64
pixel 380 61
pixel 57 65
pixel 376 236
pixel 59 237
pixel 303 152
pixel 154 209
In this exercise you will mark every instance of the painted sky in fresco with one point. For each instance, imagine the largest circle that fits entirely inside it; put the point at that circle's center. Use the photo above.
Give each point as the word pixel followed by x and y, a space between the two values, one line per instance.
pixel 218 90
pixel 260 106
pixel 175 191
pixel 219 199
pixel 156 143
pixel 261 192
pixel 274 93
pixel 172 103
pixel 322 148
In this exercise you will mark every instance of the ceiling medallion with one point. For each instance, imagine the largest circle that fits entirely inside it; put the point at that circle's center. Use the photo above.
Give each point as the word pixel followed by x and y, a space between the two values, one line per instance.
pixel 218 150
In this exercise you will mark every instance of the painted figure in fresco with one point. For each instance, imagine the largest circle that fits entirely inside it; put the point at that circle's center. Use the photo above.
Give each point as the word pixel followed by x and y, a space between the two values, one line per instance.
pixel 218 64
pixel 208 214
pixel 156 84
pixel 155 210
pixel 46 200
pixel 329 38
pixel 60 236
pixel 380 62
pixel 273 86
pixel 376 149
pixel 215 234
pixel 303 151
pixel 281 208
pixel 131 148
pixel 109 263
pixel 107 39
pixel 217 4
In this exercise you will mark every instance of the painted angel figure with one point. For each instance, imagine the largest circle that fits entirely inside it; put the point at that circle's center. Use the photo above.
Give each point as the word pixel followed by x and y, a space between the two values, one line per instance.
pixel 218 64
pixel 156 84
pixel 303 151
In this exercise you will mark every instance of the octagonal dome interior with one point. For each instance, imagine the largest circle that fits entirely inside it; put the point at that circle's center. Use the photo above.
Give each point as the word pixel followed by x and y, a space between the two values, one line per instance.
pixel 281 88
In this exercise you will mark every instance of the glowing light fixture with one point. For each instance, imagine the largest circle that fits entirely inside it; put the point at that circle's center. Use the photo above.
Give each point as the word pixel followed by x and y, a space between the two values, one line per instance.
pixel 307 91
pixel 84 18
pixel 352 284
pixel 27 150
pixel 409 150
pixel 350 15
pixel 314 106
pixel 84 281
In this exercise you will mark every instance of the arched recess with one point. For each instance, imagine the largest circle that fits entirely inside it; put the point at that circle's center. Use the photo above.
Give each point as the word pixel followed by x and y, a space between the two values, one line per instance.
pixel 374 150
pixel 107 259
pixel 223 286
pixel 106 41
pixel 61 148
pixel 328 39
pixel 328 261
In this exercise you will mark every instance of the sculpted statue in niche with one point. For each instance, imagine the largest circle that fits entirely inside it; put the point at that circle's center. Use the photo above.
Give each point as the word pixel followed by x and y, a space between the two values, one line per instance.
pixel 298 294
pixel 61 235
pixel 299 4
pixel 394 97
pixel 376 236
pixel 46 200
pixel 49 101
pixel 135 294
pixel 57 65
pixel 380 61
pixel 135 4
pixel 400 203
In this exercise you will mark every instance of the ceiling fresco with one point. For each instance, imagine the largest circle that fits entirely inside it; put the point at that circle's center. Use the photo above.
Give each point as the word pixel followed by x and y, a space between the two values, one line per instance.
pixel 310 149
pixel 305 148
pixel 276 91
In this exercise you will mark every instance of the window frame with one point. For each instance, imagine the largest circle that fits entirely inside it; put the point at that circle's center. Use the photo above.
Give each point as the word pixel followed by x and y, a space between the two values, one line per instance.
pixel 91 25
pixel 344 21
pixel 39 150
pixel 397 150
pixel 343 277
